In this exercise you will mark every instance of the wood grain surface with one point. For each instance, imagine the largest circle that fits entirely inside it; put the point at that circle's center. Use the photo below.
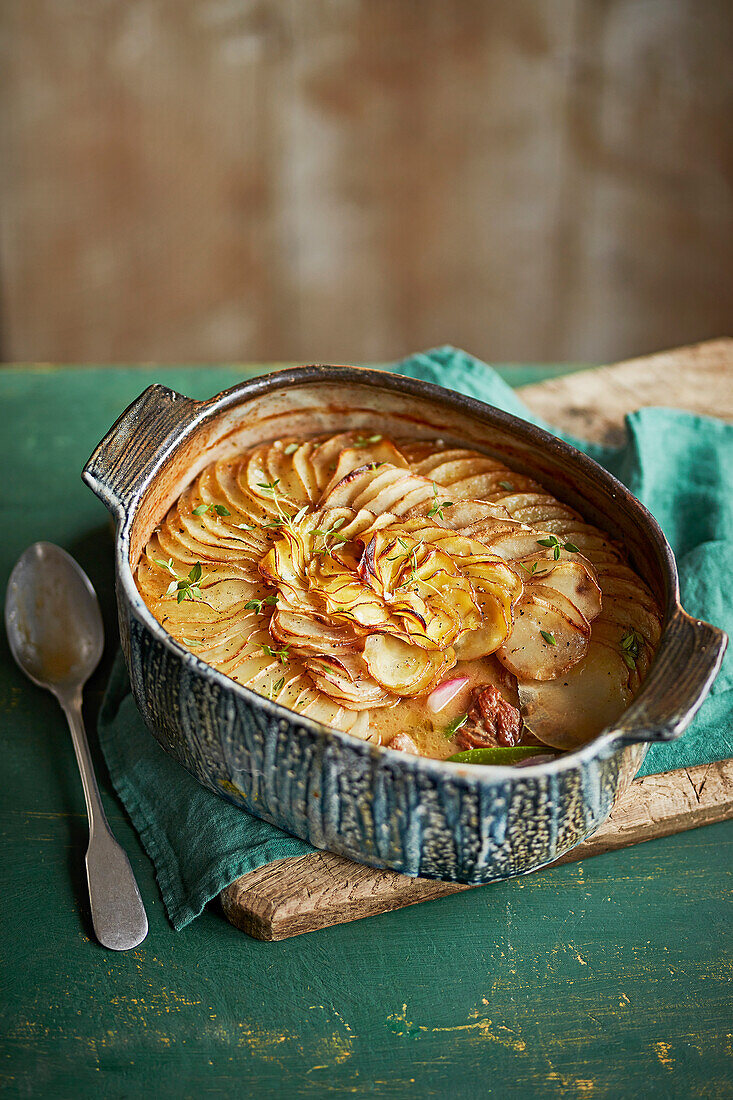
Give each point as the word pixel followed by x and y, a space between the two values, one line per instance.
pixel 300 895
pixel 292 896
pixel 592 404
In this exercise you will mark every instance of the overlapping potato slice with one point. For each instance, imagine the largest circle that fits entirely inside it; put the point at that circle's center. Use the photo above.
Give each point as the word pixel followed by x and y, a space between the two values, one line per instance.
pixel 570 710
pixel 402 668
pixel 342 573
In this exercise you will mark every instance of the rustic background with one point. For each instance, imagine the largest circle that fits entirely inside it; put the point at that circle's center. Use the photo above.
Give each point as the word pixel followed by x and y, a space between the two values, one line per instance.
pixel 349 180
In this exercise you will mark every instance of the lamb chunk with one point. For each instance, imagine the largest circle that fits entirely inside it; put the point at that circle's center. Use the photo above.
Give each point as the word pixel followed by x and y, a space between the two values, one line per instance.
pixel 491 721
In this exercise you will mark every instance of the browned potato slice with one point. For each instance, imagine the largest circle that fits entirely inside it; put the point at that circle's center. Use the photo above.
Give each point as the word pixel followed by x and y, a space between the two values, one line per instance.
pixel 349 686
pixel 464 513
pixel 544 642
pixel 631 614
pixel 403 669
pixel 425 465
pixel 420 499
pixel 303 467
pixel 278 461
pixel 379 453
pixel 569 577
pixel 493 631
pixel 389 495
pixel 308 634
pixel 244 509
pixel 621 588
pixel 490 485
pixel 253 475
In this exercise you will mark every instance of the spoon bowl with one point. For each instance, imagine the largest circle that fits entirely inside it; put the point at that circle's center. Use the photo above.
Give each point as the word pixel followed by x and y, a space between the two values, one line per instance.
pixel 52 619
pixel 56 636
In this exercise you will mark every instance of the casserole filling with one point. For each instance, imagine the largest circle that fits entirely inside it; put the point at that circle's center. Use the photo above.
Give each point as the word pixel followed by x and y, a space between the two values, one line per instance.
pixel 423 597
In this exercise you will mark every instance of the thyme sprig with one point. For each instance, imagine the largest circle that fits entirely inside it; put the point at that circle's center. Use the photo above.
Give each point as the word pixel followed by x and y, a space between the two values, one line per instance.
pixel 284 520
pixel 333 533
pixel 183 588
pixel 273 689
pixel 405 547
pixel 630 647
pixel 280 654
pixel 549 637
pixel 257 605
pixel 535 572
pixel 554 543
pixel 366 441
pixel 216 509
pixel 438 506
pixel 413 578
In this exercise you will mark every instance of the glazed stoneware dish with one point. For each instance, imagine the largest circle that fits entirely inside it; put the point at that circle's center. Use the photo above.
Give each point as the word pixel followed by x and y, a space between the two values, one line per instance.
pixel 399 809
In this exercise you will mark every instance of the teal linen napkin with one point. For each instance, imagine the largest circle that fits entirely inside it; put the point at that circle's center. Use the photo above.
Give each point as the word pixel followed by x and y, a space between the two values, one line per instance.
pixel 679 465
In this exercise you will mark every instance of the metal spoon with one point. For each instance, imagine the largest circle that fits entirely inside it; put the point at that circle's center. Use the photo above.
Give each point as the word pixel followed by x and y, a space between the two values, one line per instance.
pixel 56 636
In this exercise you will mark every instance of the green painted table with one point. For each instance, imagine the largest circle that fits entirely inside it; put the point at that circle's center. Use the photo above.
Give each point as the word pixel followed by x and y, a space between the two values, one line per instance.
pixel 600 979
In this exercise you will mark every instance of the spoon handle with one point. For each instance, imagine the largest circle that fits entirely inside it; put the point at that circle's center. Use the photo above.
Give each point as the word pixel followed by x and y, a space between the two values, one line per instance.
pixel 118 914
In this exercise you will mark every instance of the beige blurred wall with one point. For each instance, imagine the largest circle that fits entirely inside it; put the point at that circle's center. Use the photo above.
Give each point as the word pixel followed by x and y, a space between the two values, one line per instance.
pixel 349 180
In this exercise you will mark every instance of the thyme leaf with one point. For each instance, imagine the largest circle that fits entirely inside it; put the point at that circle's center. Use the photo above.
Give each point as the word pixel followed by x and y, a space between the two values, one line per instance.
pixel 630 647
pixel 438 506
pixel 257 605
pixel 280 654
pixel 218 509
pixel 365 442
pixel 453 727
pixel 554 543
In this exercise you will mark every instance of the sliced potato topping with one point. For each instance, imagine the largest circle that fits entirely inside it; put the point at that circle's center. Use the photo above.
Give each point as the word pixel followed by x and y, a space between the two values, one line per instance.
pixel 345 576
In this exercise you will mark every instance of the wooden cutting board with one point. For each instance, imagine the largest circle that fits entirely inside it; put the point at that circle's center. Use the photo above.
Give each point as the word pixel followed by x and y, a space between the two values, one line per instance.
pixel 304 893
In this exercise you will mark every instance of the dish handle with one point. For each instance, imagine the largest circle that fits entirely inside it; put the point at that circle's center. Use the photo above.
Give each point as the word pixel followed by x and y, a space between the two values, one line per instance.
pixel 686 664
pixel 140 439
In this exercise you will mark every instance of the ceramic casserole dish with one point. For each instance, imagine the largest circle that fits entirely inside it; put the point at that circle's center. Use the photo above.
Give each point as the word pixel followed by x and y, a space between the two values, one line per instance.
pixel 390 809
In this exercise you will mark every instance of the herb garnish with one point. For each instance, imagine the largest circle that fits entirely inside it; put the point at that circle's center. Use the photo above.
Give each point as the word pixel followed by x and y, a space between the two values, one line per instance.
pixel 553 542
pixel 270 489
pixel 331 533
pixel 219 509
pixel 405 547
pixel 506 485
pixel 186 589
pixel 280 654
pixel 362 442
pixel 192 642
pixel 275 688
pixel 290 449
pixel 533 571
pixel 549 638
pixel 167 565
pixel 437 508
pixel 630 645
pixel 257 605
pixel 413 577
pixel 455 725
